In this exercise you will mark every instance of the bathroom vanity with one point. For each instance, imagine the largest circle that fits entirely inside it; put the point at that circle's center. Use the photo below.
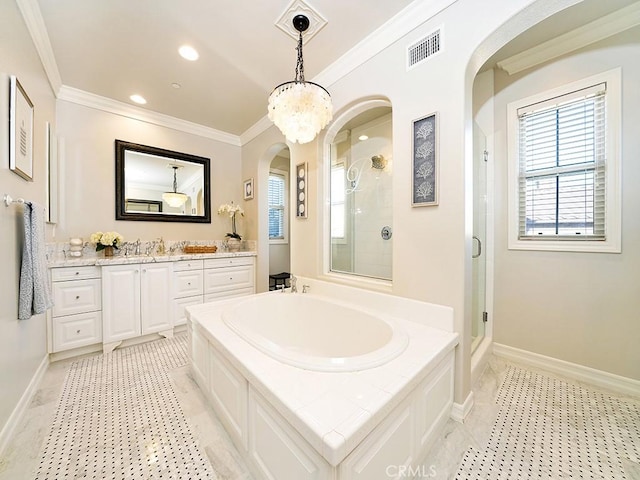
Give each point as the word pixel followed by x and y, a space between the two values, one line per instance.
pixel 101 303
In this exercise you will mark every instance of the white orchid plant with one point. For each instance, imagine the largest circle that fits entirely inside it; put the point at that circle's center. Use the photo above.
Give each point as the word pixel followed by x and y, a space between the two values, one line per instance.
pixel 103 240
pixel 231 210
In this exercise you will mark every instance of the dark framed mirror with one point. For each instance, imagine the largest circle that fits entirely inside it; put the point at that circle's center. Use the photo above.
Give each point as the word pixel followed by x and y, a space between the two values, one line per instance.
pixel 158 185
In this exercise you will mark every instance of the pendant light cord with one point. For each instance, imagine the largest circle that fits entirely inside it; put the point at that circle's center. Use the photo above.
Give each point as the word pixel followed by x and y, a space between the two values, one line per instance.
pixel 300 63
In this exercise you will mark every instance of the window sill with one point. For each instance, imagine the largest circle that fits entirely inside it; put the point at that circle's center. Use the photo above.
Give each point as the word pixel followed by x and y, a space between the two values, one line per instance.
pixel 585 246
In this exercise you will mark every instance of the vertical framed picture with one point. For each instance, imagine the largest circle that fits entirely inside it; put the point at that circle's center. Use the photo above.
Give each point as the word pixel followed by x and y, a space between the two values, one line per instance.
pixel 301 190
pixel 20 131
pixel 424 188
pixel 248 189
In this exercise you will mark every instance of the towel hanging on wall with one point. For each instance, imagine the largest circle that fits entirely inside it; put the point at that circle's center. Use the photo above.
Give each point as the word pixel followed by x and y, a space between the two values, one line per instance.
pixel 35 291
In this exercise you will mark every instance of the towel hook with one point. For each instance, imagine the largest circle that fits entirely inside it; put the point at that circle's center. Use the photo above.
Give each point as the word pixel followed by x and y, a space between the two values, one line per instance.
pixel 8 200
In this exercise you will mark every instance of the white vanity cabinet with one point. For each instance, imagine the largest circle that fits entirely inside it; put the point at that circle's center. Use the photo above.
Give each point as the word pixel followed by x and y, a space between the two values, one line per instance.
pixel 188 282
pixel 228 277
pixel 136 301
pixel 76 319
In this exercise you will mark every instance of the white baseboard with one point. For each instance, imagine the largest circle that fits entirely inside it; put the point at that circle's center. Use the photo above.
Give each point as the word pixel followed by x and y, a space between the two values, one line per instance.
pixel 459 411
pixel 16 416
pixel 480 358
pixel 598 378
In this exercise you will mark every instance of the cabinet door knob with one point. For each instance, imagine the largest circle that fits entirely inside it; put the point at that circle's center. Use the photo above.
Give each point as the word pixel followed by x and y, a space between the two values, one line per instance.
pixel 77 273
pixel 77 331
pixel 189 283
pixel 77 297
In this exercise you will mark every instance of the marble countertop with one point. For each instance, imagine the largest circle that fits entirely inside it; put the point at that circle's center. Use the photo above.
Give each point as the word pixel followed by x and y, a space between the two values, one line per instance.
pixel 61 261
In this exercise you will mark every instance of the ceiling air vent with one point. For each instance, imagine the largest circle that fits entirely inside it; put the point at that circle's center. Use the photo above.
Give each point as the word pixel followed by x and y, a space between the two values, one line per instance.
pixel 424 48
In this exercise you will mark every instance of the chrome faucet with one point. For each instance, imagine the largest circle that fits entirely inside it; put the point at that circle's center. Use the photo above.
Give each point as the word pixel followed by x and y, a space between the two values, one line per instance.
pixel 294 288
pixel 305 288
pixel 137 250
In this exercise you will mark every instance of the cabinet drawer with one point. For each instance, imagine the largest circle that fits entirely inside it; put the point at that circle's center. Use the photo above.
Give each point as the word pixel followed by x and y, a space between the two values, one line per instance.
pixel 221 279
pixel 187 283
pixel 74 273
pixel 79 296
pixel 77 330
pixel 179 304
pixel 187 265
pixel 212 297
pixel 227 262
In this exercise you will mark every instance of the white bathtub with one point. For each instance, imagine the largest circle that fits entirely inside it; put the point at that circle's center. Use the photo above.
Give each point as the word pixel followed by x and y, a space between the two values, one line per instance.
pixel 311 332
pixel 268 365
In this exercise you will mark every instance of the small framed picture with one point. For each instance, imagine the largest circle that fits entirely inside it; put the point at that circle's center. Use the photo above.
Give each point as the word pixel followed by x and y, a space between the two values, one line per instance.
pixel 424 188
pixel 20 131
pixel 301 190
pixel 248 189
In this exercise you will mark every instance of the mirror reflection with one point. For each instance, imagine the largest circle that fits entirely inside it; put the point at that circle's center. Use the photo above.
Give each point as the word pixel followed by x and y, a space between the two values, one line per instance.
pixel 161 185
pixel 361 195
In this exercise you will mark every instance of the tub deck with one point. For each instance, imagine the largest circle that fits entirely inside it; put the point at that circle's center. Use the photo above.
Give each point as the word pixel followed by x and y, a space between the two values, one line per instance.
pixel 332 412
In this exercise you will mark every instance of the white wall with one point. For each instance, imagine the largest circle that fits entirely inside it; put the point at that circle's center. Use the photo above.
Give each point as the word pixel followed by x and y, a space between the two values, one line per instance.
pixel 578 307
pixel 22 343
pixel 88 175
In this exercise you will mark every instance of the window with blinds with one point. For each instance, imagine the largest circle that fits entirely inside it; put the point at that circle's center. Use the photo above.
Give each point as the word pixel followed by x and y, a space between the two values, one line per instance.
pixel 562 160
pixel 338 186
pixel 277 206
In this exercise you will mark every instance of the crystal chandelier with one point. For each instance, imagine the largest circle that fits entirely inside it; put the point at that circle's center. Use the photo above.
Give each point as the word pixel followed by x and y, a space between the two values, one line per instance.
pixel 175 199
pixel 300 109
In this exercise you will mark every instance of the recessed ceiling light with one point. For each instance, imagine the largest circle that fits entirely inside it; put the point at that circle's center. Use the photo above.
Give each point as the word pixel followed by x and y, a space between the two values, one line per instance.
pixel 188 53
pixel 176 85
pixel 363 137
pixel 138 99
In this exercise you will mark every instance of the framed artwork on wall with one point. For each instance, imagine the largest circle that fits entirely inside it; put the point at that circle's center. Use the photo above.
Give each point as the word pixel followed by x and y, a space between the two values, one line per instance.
pixel 248 189
pixel 424 188
pixel 20 131
pixel 301 190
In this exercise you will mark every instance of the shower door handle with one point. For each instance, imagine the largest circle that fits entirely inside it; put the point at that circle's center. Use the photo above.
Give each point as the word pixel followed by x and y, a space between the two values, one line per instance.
pixel 479 247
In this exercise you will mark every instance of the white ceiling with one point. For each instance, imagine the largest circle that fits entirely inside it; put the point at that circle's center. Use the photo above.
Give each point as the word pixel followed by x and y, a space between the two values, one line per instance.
pixel 115 48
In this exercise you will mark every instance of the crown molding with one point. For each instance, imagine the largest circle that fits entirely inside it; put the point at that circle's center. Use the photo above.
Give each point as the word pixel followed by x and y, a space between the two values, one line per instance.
pixel 32 16
pixel 593 32
pixel 393 30
pixel 105 104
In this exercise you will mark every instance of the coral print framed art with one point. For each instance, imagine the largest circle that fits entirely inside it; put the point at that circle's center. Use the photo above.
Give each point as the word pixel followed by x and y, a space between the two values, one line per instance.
pixel 424 188
pixel 248 189
pixel 20 131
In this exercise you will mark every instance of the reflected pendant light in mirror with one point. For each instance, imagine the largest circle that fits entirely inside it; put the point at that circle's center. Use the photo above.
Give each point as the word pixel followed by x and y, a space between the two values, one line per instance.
pixel 175 199
pixel 300 109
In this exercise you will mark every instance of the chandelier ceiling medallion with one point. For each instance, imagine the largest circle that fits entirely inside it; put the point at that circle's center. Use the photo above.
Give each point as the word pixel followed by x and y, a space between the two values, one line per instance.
pixel 300 109
pixel 175 199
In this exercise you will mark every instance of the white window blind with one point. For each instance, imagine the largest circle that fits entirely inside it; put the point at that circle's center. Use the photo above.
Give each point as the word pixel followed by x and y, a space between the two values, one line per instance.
pixel 277 195
pixel 562 152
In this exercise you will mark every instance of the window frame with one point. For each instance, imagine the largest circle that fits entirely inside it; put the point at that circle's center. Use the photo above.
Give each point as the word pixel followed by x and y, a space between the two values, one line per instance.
pixel 612 241
pixel 285 216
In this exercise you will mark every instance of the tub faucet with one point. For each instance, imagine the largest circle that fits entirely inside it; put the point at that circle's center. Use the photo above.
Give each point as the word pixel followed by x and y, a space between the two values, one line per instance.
pixel 305 288
pixel 293 281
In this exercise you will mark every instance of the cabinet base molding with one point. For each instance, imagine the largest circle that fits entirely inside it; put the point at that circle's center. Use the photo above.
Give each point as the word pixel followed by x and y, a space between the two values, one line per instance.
pixel 110 347
pixel 166 333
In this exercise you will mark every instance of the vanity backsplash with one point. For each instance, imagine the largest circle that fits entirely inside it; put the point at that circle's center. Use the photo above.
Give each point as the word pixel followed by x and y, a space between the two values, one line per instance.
pixel 62 250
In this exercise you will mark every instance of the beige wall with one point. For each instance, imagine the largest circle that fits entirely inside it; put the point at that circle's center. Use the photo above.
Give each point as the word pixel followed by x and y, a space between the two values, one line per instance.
pixel 87 164
pixel 22 343
pixel 578 307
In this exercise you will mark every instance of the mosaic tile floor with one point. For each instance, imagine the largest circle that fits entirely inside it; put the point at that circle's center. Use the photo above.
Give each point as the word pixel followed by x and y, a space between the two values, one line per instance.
pixel 525 423
pixel 119 417
pixel 548 428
